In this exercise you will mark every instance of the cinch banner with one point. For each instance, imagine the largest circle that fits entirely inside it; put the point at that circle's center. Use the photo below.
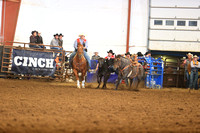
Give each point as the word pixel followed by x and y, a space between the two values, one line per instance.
pixel 33 62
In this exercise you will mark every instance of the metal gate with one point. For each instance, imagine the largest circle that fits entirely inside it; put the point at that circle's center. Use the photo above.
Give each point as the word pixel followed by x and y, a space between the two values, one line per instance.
pixel 173 73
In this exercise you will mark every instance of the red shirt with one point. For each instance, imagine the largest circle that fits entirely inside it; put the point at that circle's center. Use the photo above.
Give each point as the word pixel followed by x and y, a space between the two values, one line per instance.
pixel 112 57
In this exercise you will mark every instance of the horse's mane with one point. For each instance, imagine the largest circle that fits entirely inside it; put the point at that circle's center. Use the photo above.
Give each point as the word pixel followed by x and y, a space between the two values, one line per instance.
pixel 125 60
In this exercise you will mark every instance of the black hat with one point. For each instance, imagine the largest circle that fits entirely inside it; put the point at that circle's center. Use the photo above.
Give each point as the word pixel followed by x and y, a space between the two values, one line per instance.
pixel 110 51
pixel 139 54
pixel 61 35
pixel 56 34
pixel 34 32
pixel 148 52
pixel 128 53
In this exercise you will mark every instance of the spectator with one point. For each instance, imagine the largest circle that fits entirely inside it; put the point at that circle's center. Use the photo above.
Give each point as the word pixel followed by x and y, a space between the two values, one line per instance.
pixel 128 55
pixel 55 42
pixel 187 66
pixel 95 56
pixel 110 60
pixel 148 54
pixel 61 40
pixel 195 65
pixel 33 39
pixel 39 40
pixel 139 54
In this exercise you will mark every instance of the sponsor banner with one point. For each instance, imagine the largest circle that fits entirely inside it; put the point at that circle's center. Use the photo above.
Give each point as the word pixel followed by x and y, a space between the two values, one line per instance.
pixel 33 62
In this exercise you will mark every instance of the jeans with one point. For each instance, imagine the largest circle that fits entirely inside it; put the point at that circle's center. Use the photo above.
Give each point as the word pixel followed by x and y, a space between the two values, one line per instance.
pixel 87 57
pixel 34 46
pixel 187 78
pixel 193 78
pixel 56 48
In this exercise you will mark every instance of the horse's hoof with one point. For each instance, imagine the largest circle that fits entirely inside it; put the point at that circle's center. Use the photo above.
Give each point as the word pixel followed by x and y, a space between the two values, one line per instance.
pixel 83 86
pixel 78 87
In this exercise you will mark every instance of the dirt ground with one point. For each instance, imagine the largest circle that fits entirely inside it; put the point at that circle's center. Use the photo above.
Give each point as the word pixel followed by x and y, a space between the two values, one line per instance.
pixel 28 106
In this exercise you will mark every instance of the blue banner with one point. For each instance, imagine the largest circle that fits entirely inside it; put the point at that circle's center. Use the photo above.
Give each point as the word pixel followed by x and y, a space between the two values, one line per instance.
pixel 33 62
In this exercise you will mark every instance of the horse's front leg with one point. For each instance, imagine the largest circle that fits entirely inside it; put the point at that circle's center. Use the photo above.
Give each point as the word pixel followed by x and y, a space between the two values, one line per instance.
pixel 119 80
pixel 77 78
pixel 83 79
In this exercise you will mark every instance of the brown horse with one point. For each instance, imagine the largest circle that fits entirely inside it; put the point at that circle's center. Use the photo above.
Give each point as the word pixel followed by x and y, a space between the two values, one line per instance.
pixel 80 65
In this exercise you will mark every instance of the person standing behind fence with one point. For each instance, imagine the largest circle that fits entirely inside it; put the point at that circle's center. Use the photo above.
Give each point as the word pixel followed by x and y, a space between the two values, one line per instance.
pixel 55 42
pixel 195 65
pixel 60 40
pixel 187 66
pixel 33 39
pixel 95 56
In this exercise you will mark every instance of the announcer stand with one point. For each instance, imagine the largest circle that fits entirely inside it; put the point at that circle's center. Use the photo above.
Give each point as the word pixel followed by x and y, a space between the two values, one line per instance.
pixel 154 71
pixel 21 61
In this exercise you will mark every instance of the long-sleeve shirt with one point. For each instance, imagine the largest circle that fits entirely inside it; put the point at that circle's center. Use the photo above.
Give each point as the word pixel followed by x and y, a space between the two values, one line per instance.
pixel 81 41
pixel 54 42
pixel 186 63
pixel 195 64
pixel 94 57
pixel 33 39
pixel 60 42
pixel 39 40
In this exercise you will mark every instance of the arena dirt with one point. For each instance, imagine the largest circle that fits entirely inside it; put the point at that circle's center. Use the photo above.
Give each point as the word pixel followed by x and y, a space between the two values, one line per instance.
pixel 28 106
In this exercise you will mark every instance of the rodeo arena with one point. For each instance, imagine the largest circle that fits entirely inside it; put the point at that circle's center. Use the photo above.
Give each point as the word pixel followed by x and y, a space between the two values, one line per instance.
pixel 99 66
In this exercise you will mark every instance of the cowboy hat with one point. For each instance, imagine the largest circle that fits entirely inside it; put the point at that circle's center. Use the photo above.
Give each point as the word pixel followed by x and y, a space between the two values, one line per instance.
pixel 61 35
pixel 81 35
pixel 195 56
pixel 139 54
pixel 189 54
pixel 148 52
pixel 34 32
pixel 110 51
pixel 56 34
pixel 128 53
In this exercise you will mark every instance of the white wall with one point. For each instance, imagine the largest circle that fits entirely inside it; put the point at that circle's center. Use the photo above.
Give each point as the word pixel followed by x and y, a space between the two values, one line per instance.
pixel 103 21
pixel 174 34
pixel 139 26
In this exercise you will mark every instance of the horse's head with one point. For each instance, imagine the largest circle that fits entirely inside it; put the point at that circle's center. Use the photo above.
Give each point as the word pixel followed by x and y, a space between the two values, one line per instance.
pixel 80 48
pixel 101 61
pixel 117 61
